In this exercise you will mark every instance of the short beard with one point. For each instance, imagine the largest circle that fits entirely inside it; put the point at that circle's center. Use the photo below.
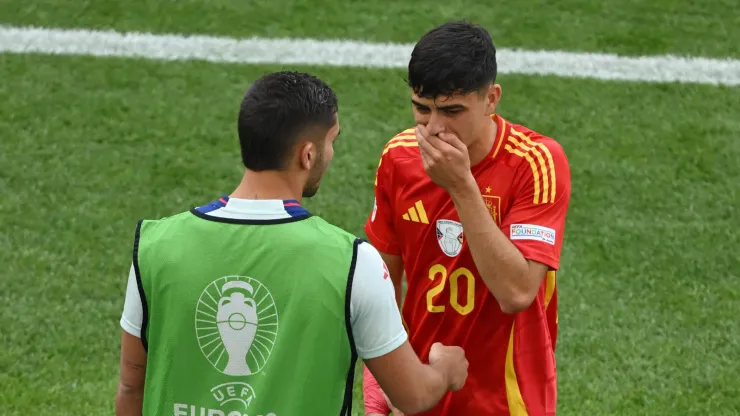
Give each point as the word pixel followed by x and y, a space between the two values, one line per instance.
pixel 314 177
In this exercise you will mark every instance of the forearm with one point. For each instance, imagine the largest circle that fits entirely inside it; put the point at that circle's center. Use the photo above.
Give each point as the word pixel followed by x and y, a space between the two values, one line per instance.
pixel 130 394
pixel 500 264
pixel 129 401
pixel 431 384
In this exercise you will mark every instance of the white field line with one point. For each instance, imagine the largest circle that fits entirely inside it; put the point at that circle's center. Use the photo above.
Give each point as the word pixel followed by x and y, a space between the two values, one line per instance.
pixel 344 53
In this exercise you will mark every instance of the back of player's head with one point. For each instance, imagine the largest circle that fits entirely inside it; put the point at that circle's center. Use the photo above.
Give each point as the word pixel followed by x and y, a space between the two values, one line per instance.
pixel 276 110
pixel 455 57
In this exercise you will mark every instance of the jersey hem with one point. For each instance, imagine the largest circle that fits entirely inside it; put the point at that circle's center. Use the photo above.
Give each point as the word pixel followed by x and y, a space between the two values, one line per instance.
pixel 548 261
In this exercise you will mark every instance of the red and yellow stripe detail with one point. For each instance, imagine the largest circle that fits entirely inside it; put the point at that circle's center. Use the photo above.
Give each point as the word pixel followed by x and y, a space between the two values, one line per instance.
pixel 502 132
pixel 540 160
pixel 513 394
pixel 406 138
pixel 550 287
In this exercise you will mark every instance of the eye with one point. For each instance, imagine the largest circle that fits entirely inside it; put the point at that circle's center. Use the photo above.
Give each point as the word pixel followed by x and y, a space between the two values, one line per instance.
pixel 422 109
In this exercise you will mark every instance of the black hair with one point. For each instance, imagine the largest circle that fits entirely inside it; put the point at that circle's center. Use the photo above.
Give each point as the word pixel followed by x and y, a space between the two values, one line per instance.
pixel 455 57
pixel 275 110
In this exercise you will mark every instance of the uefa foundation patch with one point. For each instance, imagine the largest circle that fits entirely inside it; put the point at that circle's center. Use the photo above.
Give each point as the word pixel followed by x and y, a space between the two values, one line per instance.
pixel 532 232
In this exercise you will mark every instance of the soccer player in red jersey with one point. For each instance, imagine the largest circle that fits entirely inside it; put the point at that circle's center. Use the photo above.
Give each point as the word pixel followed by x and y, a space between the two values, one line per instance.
pixel 472 207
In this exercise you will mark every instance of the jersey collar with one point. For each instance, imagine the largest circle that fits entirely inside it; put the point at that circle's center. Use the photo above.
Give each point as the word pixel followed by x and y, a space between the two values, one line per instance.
pixel 502 126
pixel 247 209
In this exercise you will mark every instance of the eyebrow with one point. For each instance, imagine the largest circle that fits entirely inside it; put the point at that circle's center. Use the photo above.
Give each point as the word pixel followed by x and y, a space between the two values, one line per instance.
pixel 441 107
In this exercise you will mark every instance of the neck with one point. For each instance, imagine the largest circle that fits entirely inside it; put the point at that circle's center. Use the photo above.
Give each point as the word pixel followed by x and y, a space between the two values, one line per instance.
pixel 267 185
pixel 480 148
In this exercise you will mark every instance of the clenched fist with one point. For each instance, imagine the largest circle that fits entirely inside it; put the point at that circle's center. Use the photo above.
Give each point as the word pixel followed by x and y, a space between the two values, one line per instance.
pixel 453 362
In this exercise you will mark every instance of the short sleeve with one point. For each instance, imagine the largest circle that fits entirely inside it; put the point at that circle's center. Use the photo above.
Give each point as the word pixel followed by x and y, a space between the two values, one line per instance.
pixel 379 225
pixel 133 312
pixel 536 221
pixel 376 321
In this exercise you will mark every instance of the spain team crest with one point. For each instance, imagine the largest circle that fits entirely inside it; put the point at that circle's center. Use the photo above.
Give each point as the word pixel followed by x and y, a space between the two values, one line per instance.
pixel 450 237
pixel 493 204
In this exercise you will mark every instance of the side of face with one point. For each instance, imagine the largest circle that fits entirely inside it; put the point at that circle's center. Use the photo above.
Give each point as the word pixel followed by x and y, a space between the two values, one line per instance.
pixel 316 154
pixel 464 115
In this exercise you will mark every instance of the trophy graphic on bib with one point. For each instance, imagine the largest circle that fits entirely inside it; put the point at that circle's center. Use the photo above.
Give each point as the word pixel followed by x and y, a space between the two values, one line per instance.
pixel 237 325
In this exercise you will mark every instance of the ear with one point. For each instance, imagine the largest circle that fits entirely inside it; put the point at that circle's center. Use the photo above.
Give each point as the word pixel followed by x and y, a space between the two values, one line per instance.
pixel 307 152
pixel 493 95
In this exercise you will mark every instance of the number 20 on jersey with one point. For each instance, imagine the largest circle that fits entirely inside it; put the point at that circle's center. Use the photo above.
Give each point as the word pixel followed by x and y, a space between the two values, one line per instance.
pixel 439 275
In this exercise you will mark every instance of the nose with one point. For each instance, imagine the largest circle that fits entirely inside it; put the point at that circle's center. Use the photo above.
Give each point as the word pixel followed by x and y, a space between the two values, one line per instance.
pixel 435 124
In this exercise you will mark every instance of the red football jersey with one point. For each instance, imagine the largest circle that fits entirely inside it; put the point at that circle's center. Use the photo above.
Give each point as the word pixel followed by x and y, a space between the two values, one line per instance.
pixel 525 183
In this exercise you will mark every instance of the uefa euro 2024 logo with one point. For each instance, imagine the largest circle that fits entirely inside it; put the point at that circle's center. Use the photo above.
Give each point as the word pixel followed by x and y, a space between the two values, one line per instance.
pixel 236 322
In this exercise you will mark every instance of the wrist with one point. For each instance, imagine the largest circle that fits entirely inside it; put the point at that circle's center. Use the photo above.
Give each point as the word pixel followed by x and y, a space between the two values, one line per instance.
pixel 441 367
pixel 464 190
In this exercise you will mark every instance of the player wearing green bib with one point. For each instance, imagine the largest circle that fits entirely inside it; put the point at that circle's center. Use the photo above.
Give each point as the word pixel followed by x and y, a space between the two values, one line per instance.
pixel 252 306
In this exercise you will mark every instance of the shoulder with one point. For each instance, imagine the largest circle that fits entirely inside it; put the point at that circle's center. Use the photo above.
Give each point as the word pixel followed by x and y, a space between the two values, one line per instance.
pixel 531 152
pixel 521 143
pixel 536 158
pixel 402 145
pixel 323 227
pixel 162 223
pixel 370 274
pixel 319 236
pixel 368 255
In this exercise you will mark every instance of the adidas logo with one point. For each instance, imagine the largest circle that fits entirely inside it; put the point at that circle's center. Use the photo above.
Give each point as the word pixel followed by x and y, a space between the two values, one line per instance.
pixel 416 214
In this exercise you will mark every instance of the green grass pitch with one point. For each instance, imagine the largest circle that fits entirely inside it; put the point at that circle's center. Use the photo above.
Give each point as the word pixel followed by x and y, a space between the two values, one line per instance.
pixel 649 286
